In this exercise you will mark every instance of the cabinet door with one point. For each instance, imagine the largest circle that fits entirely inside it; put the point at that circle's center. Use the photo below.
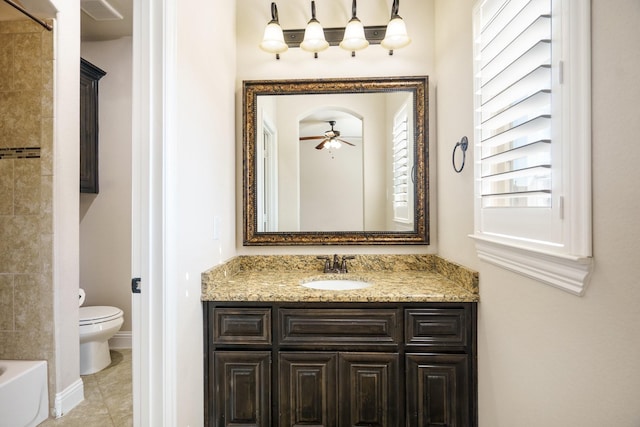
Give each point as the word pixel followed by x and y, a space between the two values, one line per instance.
pixel 89 76
pixel 242 388
pixel 307 385
pixel 437 390
pixel 368 389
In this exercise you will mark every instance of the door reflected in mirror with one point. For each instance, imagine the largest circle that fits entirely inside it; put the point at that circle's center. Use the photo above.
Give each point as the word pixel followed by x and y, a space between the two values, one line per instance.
pixel 335 161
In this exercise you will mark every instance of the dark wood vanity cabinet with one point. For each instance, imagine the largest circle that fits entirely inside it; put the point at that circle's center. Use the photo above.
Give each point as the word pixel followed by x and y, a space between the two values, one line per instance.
pixel 340 364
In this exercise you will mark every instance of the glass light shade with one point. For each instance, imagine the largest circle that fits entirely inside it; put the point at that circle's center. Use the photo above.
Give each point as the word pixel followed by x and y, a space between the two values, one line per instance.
pixel 333 144
pixel 314 40
pixel 273 39
pixel 354 38
pixel 396 35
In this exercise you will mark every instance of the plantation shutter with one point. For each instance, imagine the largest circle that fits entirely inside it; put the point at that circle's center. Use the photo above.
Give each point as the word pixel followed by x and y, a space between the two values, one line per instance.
pixel 513 66
pixel 401 172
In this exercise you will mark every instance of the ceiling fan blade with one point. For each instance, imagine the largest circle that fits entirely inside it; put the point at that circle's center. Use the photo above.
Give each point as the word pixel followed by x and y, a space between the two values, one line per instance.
pixel 345 142
pixel 307 138
pixel 321 145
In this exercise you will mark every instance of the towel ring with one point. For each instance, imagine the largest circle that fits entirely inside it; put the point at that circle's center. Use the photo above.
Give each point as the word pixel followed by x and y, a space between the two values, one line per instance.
pixel 463 144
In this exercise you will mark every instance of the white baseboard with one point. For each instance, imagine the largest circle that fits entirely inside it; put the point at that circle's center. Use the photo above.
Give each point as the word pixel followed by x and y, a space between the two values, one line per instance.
pixel 121 339
pixel 68 398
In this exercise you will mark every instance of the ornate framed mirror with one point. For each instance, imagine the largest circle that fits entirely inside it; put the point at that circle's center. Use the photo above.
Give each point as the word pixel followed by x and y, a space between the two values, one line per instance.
pixel 335 161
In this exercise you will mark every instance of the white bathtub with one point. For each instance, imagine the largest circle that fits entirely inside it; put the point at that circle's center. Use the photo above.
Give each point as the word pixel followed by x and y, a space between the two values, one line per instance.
pixel 24 400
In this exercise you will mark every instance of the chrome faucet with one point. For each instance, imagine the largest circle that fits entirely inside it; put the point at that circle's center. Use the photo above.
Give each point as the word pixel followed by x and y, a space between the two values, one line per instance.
pixel 338 266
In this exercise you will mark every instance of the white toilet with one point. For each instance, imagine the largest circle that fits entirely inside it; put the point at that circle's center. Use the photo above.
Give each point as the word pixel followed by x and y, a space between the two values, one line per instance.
pixel 97 325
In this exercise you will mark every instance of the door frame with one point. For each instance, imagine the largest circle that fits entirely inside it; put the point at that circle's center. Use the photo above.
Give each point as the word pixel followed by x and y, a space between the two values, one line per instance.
pixel 153 401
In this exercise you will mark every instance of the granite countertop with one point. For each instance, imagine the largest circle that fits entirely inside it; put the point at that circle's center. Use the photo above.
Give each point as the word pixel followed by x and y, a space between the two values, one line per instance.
pixel 393 278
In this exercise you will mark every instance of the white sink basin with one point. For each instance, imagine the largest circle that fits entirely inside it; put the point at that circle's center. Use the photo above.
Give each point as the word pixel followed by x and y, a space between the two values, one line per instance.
pixel 336 285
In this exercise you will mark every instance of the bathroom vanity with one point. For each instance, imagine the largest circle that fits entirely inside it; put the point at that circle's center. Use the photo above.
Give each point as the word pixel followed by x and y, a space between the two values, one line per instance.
pixel 401 351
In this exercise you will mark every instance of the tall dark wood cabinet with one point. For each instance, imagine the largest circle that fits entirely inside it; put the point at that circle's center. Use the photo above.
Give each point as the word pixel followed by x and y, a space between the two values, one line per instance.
pixel 89 77
pixel 340 364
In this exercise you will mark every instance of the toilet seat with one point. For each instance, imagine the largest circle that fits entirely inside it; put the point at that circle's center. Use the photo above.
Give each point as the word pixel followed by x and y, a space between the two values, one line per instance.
pixel 98 314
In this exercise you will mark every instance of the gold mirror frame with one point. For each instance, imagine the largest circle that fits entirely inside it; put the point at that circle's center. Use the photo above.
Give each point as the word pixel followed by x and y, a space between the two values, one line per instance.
pixel 254 88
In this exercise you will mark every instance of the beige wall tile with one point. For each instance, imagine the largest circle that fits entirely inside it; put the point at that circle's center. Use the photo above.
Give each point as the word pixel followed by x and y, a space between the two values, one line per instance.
pixel 6 121
pixel 27 61
pixel 26 239
pixel 7 344
pixel 47 89
pixel 6 303
pixel 47 42
pixel 20 118
pixel 24 26
pixel 27 344
pixel 19 244
pixel 46 204
pixel 6 186
pixel 46 258
pixel 46 147
pixel 27 187
pixel 28 44
pixel 30 313
pixel 6 62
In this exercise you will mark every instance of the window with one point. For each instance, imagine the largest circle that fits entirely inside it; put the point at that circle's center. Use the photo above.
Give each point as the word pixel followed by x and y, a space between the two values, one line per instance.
pixel 532 138
pixel 402 173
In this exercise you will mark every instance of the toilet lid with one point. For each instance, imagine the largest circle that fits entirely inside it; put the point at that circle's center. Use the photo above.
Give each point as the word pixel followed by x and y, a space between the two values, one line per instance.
pixel 98 314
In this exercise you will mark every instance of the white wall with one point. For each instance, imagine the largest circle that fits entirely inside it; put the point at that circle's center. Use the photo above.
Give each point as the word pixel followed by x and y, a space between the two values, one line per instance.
pixel 199 172
pixel 548 358
pixel 105 218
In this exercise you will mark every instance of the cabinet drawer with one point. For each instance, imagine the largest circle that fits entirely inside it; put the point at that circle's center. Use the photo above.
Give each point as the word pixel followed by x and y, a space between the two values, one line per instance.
pixel 438 326
pixel 338 327
pixel 242 325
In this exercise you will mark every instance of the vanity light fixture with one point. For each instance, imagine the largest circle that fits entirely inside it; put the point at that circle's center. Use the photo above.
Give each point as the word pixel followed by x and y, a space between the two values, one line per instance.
pixel 354 38
pixel 396 35
pixel 314 38
pixel 273 39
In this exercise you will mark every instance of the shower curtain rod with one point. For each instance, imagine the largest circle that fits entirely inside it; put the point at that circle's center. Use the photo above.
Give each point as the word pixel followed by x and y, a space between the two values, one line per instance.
pixel 23 10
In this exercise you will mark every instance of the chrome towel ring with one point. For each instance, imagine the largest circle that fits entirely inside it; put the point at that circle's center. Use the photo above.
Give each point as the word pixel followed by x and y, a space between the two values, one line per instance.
pixel 463 144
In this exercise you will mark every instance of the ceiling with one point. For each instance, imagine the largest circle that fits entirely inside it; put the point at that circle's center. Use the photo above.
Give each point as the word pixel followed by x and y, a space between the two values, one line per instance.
pixel 318 122
pixel 91 30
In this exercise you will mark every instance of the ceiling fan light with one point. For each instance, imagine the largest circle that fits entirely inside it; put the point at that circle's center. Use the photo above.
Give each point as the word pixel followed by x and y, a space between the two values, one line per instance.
pixel 273 39
pixel 354 38
pixel 314 40
pixel 332 144
pixel 396 35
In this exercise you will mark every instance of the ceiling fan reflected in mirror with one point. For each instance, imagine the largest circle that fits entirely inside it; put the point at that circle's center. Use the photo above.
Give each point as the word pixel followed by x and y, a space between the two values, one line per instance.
pixel 330 139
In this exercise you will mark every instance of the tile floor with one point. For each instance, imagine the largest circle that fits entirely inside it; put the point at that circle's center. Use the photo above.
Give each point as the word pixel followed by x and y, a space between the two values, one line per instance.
pixel 108 397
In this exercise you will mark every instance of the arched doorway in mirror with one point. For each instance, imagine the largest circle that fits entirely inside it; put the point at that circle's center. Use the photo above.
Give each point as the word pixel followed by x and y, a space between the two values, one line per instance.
pixel 331 150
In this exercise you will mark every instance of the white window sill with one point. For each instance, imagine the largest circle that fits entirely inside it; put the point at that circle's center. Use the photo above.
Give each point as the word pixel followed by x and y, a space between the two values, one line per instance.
pixel 566 272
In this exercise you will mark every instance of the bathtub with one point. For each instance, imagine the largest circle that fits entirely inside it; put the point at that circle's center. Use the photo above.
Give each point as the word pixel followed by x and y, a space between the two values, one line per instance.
pixel 24 400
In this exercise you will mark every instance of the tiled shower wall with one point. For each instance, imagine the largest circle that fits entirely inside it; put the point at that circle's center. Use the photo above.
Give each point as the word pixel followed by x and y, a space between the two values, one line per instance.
pixel 26 193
